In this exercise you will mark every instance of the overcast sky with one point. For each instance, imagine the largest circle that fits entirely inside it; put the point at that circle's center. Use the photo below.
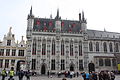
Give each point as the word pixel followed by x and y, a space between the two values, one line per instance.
pixel 100 14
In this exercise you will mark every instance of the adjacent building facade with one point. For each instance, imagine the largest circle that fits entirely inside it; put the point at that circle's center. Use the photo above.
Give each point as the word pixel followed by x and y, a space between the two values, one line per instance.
pixel 67 45
pixel 12 54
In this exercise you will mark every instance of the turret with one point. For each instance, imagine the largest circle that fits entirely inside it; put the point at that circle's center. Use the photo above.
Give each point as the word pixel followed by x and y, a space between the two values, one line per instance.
pixel 83 23
pixel 30 21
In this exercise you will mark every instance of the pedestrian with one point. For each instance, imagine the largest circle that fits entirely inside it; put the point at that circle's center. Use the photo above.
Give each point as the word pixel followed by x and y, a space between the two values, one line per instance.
pixel 20 74
pixel 11 74
pixel 112 75
pixel 87 76
pixel 48 73
pixel 4 74
pixel 77 74
pixel 28 75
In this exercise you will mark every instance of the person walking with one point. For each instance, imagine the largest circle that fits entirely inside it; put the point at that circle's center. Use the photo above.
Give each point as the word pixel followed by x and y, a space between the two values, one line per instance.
pixel 28 75
pixel 11 74
pixel 4 74
pixel 20 74
pixel 112 75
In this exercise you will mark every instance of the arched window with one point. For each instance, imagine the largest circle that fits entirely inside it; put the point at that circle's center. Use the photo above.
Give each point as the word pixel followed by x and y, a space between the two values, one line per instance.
pixel 71 48
pixel 116 47
pixel 43 47
pixel 53 64
pixel 114 63
pixel 100 62
pixel 97 46
pixel 90 46
pixel 80 48
pixel 62 64
pixel 53 47
pixel 107 62
pixel 62 47
pixel 105 47
pixel 34 47
pixel 110 46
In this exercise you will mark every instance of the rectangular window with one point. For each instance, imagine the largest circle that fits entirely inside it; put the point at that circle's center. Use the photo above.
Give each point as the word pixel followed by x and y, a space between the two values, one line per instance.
pixel 33 64
pixel 71 49
pixel 7 52
pixel 12 62
pixel 1 52
pixel 62 64
pixel 62 49
pixel 43 49
pixel 7 63
pixel 80 65
pixel 34 48
pixel 53 64
pixel 13 52
pixel 21 53
pixel 1 63
pixel 8 42
pixel 53 48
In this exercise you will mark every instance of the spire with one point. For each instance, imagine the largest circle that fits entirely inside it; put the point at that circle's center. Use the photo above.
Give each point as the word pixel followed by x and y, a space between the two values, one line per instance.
pixel 57 13
pixel 22 38
pixel 83 18
pixel 31 11
pixel 57 16
pixel 10 29
pixel 30 15
pixel 79 16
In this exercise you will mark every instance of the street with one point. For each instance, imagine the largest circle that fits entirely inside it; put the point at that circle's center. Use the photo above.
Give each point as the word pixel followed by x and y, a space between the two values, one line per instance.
pixel 53 78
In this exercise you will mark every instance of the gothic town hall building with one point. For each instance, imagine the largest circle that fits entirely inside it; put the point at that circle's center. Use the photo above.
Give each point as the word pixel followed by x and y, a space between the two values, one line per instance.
pixel 67 45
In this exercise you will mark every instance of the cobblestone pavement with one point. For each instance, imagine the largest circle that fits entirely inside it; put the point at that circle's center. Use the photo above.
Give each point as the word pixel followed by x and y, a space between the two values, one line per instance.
pixel 54 78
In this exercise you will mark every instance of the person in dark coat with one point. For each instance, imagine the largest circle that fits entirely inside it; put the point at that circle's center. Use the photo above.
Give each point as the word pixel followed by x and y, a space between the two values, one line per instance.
pixel 21 74
pixel 28 75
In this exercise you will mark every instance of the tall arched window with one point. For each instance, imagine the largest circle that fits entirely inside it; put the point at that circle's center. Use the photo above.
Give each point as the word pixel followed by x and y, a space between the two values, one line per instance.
pixel 34 47
pixel 107 62
pixel 90 46
pixel 71 48
pixel 80 48
pixel 114 63
pixel 116 47
pixel 100 62
pixel 111 48
pixel 53 64
pixel 105 47
pixel 43 47
pixel 62 47
pixel 97 46
pixel 53 47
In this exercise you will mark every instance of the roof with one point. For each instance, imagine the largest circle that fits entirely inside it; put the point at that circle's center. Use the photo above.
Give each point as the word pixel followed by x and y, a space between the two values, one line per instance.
pixel 49 25
pixel 102 34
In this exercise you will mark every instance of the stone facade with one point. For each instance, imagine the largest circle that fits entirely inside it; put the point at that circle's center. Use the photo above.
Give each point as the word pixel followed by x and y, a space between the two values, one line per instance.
pixel 65 45
pixel 12 54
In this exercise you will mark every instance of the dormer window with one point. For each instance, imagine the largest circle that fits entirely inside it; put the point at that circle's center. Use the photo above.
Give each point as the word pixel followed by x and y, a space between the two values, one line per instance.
pixel 8 42
pixel 21 45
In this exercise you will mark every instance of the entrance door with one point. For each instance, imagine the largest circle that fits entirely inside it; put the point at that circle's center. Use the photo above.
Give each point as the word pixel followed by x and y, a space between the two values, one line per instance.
pixel 43 70
pixel 91 67
pixel 18 67
pixel 71 67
